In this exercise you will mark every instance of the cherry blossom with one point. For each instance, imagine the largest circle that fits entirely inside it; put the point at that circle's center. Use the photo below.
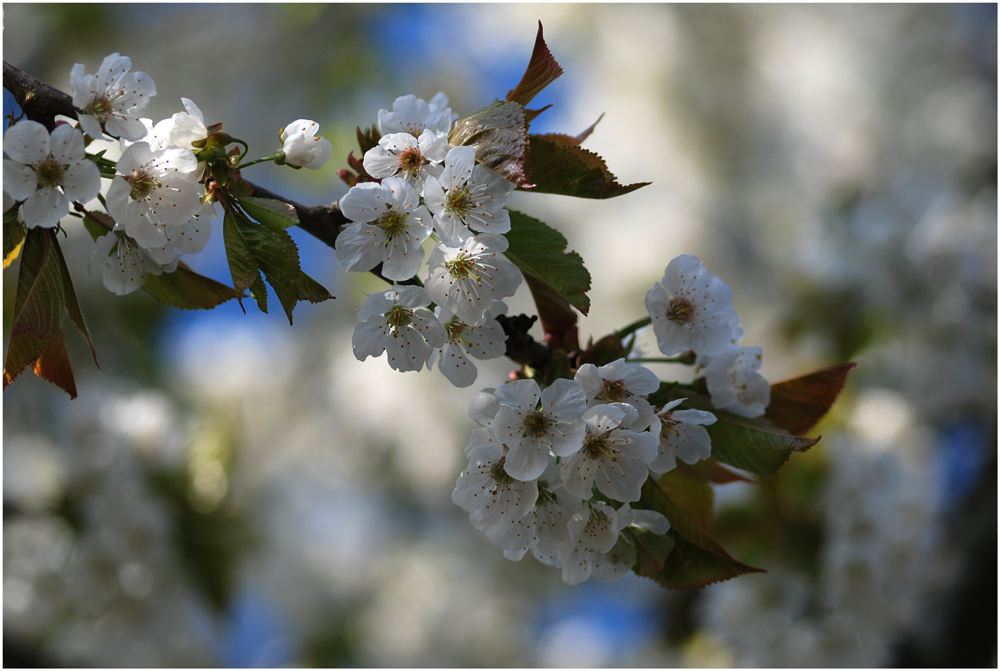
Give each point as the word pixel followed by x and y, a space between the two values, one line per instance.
pixel 620 382
pixel 303 147
pixel 691 309
pixel 125 266
pixel 412 115
pixel 547 522
pixel 613 457
pixel 467 196
pixel 180 130
pixel 497 501
pixel 682 436
pixel 154 190
pixel 47 172
pixel 591 531
pixel 392 321
pixel 487 341
pixel 531 423
pixel 391 225
pixel 413 159
pixel 733 381
pixel 467 279
pixel 111 97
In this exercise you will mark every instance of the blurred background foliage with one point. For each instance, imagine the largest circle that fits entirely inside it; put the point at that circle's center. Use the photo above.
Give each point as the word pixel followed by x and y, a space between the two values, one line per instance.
pixel 229 490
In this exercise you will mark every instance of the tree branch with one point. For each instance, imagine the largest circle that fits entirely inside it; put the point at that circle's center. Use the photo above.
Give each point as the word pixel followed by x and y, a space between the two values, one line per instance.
pixel 41 102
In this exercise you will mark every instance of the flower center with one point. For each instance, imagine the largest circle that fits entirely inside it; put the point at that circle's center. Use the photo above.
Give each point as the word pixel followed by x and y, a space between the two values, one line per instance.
pixel 535 425
pixel 462 267
pixel 668 419
pixel 393 223
pixel 500 476
pixel 49 172
pixel 142 183
pixel 101 108
pixel 613 391
pixel 545 495
pixel 459 202
pixel 398 318
pixel 596 446
pixel 453 329
pixel 680 310
pixel 411 160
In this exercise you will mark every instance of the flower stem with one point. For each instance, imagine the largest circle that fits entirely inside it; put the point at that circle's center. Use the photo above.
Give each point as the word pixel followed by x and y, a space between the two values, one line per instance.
pixel 254 162
pixel 687 359
pixel 633 327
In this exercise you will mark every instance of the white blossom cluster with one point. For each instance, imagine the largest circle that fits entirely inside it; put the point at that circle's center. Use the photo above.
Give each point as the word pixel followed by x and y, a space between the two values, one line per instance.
pixel 427 188
pixel 547 466
pixel 692 310
pixel 157 199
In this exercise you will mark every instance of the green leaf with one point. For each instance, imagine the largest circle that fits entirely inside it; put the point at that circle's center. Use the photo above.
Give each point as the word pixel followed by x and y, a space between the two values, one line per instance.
pixel 696 559
pixel 754 445
pixel 559 165
pixel 499 134
pixel 798 404
pixel 542 70
pixel 274 214
pixel 651 549
pixel 13 236
pixel 243 265
pixel 253 248
pixel 187 290
pixel 312 291
pixel 258 291
pixel 690 566
pixel 557 279
pixel 72 305
pixel 98 224
pixel 38 303
pixel 692 495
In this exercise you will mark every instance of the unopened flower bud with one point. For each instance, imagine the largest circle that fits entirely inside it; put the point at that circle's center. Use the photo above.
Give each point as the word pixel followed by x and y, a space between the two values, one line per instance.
pixel 302 147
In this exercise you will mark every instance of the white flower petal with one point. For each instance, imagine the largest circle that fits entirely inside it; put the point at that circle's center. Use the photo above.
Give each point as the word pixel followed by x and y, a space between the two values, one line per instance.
pixel 19 180
pixel 45 208
pixel 26 142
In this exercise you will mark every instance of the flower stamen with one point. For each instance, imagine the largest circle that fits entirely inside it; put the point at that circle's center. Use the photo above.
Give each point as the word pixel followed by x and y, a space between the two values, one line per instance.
pixel 49 172
pixel 393 223
pixel 535 425
pixel 680 310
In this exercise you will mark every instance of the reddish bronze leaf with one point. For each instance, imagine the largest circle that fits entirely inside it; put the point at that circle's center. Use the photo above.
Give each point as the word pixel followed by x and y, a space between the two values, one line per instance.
pixel 798 404
pixel 22 351
pixel 499 134
pixel 54 366
pixel 559 165
pixel 531 115
pixel 587 131
pixel 542 70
